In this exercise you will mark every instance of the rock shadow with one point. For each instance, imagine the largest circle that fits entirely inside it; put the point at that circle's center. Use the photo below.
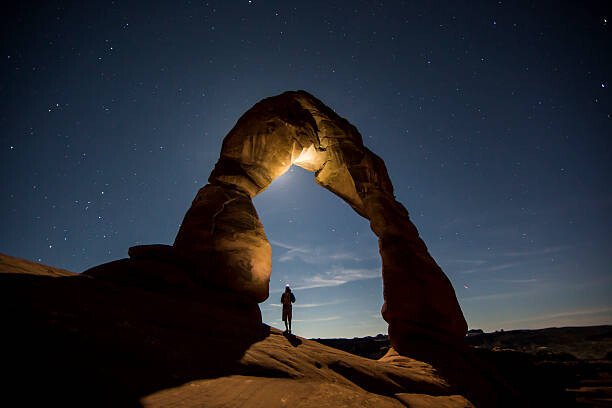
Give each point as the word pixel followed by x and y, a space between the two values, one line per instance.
pixel 111 339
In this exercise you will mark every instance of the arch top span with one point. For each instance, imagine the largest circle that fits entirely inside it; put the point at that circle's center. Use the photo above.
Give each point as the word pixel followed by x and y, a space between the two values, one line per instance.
pixel 222 236
pixel 295 128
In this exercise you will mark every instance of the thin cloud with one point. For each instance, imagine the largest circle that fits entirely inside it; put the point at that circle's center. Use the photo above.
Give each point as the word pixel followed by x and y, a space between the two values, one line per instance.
pixel 561 315
pixel 320 282
pixel 344 256
pixel 281 244
pixel 492 268
pixel 298 253
pixel 535 252
pixel 517 281
pixel 317 255
pixel 293 252
pixel 337 277
pixel 467 261
pixel 311 305
pixel 494 296
pixel 319 319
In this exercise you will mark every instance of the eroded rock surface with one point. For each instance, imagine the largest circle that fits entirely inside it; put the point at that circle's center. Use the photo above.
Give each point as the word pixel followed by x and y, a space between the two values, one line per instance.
pixel 222 229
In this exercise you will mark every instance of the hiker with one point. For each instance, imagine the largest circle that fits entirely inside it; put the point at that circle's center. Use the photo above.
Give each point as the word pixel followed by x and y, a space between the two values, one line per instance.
pixel 286 300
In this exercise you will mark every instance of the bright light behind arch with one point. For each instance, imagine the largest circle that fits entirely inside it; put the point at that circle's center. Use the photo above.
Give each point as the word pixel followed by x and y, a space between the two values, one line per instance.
pixel 310 159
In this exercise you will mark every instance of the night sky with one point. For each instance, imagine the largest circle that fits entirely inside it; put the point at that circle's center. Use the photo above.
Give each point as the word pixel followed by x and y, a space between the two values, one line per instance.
pixel 494 120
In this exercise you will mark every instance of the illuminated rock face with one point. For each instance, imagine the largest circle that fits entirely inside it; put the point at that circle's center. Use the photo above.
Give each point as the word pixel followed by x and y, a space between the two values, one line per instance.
pixel 222 228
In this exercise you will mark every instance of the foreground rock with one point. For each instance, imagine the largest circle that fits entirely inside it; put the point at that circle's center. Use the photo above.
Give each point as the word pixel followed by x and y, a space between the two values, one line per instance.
pixel 136 332
pixel 223 239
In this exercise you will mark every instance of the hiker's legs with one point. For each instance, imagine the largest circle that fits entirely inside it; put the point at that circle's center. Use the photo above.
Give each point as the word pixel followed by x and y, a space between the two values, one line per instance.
pixel 285 315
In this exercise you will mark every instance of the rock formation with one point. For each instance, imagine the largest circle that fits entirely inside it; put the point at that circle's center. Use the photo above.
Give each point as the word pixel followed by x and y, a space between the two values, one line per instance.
pixel 223 240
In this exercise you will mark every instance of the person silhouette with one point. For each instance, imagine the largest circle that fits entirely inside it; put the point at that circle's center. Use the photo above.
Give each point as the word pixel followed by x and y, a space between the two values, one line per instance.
pixel 286 300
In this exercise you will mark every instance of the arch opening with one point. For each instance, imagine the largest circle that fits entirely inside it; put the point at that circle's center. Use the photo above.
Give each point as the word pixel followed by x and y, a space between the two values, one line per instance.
pixel 326 253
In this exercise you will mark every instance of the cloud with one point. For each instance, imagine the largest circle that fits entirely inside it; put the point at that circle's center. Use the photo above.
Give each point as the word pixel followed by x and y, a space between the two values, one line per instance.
pixel 319 319
pixel 310 305
pixel 494 296
pixel 298 253
pixel 293 252
pixel 562 315
pixel 344 256
pixel 534 252
pixel 320 282
pixel 492 268
pixel 518 281
pixel 317 255
pixel 281 244
pixel 467 261
pixel 338 276
pixel 324 257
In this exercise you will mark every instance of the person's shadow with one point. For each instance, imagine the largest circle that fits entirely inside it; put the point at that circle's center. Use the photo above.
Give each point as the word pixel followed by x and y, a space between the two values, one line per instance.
pixel 293 339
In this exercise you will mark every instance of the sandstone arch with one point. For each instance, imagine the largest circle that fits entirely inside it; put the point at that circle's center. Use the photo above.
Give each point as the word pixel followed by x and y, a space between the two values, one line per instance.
pixel 224 240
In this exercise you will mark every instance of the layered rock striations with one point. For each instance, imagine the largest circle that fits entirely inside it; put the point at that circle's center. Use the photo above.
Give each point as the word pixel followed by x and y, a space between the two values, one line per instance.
pixel 223 240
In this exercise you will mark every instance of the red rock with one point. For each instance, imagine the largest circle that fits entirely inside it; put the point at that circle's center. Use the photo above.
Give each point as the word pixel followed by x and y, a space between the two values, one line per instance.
pixel 295 128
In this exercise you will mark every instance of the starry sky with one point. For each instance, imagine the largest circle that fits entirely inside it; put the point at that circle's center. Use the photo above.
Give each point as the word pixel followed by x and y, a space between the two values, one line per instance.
pixel 494 120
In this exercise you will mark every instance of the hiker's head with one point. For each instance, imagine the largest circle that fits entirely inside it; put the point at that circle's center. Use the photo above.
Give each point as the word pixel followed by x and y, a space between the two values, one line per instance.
pixel 287 288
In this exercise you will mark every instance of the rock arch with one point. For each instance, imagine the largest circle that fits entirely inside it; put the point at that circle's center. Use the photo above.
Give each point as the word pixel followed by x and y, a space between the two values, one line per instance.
pixel 223 239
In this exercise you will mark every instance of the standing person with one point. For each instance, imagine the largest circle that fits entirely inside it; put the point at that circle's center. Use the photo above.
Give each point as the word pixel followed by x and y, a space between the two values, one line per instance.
pixel 286 300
